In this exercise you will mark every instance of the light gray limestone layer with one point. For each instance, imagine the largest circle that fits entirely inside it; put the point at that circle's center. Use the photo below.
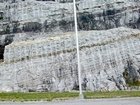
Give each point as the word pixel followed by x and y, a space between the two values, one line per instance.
pixel 50 64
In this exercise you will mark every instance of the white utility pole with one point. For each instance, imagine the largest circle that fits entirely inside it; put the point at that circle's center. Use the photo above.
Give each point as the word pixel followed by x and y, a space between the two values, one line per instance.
pixel 78 57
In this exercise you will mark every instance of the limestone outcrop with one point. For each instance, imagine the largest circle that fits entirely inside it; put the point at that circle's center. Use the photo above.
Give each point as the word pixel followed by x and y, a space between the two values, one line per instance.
pixel 58 17
pixel 50 64
pixel 38 48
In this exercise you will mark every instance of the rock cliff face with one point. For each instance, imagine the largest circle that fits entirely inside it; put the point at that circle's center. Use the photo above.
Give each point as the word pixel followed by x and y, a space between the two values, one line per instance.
pixel 92 15
pixel 50 64
pixel 39 51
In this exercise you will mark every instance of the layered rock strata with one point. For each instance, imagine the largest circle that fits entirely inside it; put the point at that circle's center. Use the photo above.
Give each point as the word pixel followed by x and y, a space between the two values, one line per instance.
pixel 55 17
pixel 38 58
pixel 51 64
pixel 36 16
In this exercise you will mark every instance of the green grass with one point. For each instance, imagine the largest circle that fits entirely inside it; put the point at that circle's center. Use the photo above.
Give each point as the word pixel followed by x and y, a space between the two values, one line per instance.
pixel 64 95
pixel 115 94
pixel 36 96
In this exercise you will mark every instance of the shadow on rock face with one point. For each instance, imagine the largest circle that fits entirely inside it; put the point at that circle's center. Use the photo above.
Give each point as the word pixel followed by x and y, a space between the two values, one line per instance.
pixel 5 40
pixel 132 73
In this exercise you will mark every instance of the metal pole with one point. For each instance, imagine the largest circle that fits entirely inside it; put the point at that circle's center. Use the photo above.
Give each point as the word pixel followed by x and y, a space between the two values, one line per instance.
pixel 78 57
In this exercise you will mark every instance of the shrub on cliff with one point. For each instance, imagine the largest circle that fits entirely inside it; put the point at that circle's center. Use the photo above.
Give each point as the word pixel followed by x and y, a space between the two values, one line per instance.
pixel 1 17
pixel 131 75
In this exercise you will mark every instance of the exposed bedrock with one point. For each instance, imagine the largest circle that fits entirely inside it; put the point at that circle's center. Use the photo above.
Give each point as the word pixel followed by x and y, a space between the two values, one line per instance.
pixel 50 64
pixel 58 17
pixel 38 48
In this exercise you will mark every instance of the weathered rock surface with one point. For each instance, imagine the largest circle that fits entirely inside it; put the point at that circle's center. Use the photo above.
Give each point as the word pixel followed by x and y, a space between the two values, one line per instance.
pixel 48 17
pixel 40 50
pixel 50 64
pixel 58 17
